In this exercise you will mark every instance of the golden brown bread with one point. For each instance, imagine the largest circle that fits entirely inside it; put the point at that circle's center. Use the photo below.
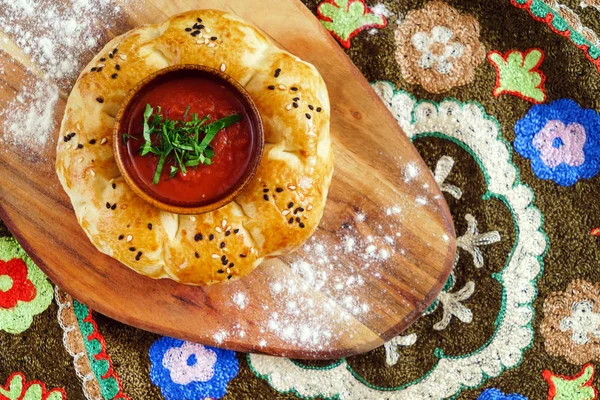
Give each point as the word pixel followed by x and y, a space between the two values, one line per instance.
pixel 230 242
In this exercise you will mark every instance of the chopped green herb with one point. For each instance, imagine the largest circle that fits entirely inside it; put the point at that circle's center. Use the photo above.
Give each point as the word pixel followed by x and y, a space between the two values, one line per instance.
pixel 183 143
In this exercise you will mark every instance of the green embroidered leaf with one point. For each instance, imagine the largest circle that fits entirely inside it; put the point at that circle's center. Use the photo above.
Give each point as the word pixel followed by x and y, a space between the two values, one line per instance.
pixel 518 74
pixel 578 387
pixel 15 387
pixel 345 18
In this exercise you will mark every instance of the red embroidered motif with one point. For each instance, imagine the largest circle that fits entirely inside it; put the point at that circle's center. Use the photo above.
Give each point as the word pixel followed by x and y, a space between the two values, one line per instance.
pixel 595 232
pixel 22 289
pixel 26 385
pixel 565 386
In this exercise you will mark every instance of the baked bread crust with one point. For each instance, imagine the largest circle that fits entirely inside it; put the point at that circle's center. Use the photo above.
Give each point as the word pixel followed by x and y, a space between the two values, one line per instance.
pixel 272 216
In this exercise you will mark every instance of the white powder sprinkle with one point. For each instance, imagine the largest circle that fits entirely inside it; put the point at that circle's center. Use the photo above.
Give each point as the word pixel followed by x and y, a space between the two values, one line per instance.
pixel 360 217
pixel 411 171
pixel 240 300
pixel 220 336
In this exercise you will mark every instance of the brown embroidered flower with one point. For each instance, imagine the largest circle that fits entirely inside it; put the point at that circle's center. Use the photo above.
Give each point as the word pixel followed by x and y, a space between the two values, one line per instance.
pixel 438 48
pixel 571 325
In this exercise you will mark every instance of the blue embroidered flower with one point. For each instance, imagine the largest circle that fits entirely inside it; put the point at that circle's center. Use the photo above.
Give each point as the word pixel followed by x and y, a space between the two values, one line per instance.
pixel 495 394
pixel 562 140
pixel 185 370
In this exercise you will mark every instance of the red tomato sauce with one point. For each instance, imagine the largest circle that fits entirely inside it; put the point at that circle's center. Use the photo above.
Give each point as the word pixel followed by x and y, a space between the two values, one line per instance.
pixel 232 146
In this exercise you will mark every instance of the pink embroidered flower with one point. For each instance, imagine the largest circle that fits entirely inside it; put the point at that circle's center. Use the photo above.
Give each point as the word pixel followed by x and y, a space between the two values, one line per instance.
pixel 191 362
pixel 559 143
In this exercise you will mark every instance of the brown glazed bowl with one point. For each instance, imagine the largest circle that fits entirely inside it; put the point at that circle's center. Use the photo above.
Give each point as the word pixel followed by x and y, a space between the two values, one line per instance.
pixel 180 207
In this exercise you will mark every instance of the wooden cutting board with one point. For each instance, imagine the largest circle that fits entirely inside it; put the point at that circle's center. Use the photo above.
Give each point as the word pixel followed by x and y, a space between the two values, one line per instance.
pixel 382 253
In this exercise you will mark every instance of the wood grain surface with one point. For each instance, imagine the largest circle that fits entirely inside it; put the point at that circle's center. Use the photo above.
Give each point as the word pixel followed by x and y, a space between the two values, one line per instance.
pixel 371 154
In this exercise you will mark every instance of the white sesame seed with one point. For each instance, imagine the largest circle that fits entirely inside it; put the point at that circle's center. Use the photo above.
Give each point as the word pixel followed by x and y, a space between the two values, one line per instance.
pixel 228 228
pixel 206 29
pixel 309 207
pixel 288 107
pixel 100 65
pixel 218 229
pixel 80 159
pixel 123 56
pixel 215 256
pixel 291 187
pixel 285 212
pixel 224 223
pixel 228 270
pixel 223 66
pixel 104 140
pixel 281 87
pixel 92 172
pixel 129 238
pixel 205 40
pixel 211 45
pixel 192 219
pixel 200 41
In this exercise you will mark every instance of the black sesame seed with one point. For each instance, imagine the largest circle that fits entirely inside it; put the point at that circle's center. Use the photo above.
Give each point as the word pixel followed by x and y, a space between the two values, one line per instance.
pixel 265 190
pixel 198 237
pixel 150 226
pixel 311 107
pixel 220 271
pixel 94 69
pixel 291 221
pixel 114 76
pixel 100 100
pixel 115 51
pixel 231 265
pixel 301 225
pixel 211 236
pixel 236 230
pixel 279 190
pixel 114 206
pixel 301 209
pixel 188 29
pixel 290 204
pixel 199 19
pixel 277 72
pixel 213 38
pixel 72 134
pixel 295 105
pixel 223 257
pixel 227 233
pixel 138 255
pixel 224 261
pixel 111 55
pixel 298 220
pixel 102 59
pixel 296 98
pixel 294 89
pixel 195 33
pixel 114 185
pixel 93 141
pixel 107 205
pixel 243 255
pixel 271 87
pixel 296 210
pixel 132 249
pixel 200 26
pixel 222 245
pixel 195 26
pixel 118 67
pixel 229 277
pixel 319 109
pixel 307 115
pixel 80 146
pixel 100 69
pixel 121 237
pixel 66 139
pixel 196 254
pixel 266 197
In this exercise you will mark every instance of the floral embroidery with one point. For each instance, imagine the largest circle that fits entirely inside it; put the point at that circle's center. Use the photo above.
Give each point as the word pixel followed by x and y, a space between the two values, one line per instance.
pixel 24 289
pixel 435 53
pixel 86 345
pixel 495 394
pixel 442 170
pixel 562 140
pixel 472 239
pixel 344 19
pixel 189 370
pixel 590 3
pixel 391 348
pixel 595 232
pixel 17 388
pixel 14 285
pixel 554 18
pixel 570 324
pixel 470 127
pixel 518 74
pixel 578 387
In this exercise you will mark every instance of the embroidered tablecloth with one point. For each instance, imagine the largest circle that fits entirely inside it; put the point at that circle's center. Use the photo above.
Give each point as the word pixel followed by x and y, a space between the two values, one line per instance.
pixel 501 98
